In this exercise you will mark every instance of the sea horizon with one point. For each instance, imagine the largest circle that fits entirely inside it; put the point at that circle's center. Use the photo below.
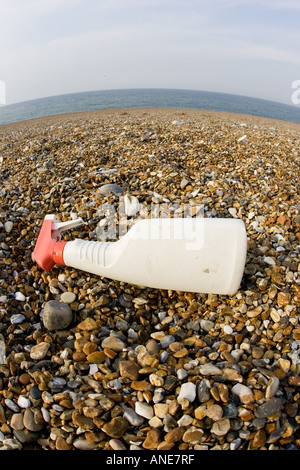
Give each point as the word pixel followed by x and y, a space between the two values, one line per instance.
pixel 147 98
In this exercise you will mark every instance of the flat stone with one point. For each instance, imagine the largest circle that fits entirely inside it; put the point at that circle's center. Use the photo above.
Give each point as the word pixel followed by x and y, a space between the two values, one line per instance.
pixel 16 421
pixel 114 343
pixel 210 369
pixel 96 357
pixel 117 444
pixel 203 391
pixel 57 315
pixel 161 409
pixel 83 444
pixel 153 438
pixel 20 296
pixel 221 427
pixel 88 324
pixel 193 435
pixel 82 421
pixel 214 412
pixel 116 427
pixel 24 402
pixel 269 408
pixel 110 188
pixel 30 422
pixel 8 226
pixel 175 434
pixel 68 297
pixel 129 369
pixel 142 409
pixel 17 318
pixel 132 417
pixel 39 351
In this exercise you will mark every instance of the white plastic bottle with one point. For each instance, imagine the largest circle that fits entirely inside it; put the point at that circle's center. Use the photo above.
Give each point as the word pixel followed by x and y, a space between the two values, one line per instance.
pixel 183 254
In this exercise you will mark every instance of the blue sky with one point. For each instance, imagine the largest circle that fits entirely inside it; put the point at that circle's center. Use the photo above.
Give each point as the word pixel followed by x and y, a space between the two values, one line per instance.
pixel 246 47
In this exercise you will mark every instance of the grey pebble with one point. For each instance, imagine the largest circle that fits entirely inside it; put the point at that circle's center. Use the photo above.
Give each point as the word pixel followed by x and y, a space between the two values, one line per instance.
pixel 57 315
pixel 269 408
pixel 110 188
pixel 132 417
pixel 11 405
pixel 166 341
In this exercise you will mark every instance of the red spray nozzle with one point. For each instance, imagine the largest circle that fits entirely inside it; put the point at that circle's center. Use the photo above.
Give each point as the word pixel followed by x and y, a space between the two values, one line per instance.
pixel 49 248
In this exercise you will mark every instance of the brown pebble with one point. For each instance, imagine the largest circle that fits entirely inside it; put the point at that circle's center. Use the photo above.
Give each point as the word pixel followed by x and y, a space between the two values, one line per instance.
pixel 129 369
pixel 175 434
pixel 153 438
pixel 61 444
pixel 79 356
pixel 294 381
pixel 139 385
pixel 96 357
pixel 116 427
pixel 25 379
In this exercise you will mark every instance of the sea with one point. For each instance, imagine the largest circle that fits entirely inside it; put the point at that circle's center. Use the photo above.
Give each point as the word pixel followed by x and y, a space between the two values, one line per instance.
pixel 148 98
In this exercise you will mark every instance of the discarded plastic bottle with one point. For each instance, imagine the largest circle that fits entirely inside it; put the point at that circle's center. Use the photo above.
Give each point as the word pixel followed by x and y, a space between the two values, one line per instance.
pixel 203 255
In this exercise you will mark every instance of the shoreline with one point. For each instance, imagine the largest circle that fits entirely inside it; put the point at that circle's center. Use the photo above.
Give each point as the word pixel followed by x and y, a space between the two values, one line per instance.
pixel 138 112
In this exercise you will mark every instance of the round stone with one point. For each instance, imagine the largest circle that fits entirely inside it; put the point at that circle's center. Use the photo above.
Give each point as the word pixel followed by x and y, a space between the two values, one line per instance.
pixel 57 315
pixel 68 297
pixel 30 421
pixel 110 189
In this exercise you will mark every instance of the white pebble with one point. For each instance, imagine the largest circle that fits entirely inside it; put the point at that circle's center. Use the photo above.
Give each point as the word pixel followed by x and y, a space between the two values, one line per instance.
pixel 131 205
pixel 8 226
pixel 210 369
pixel 93 369
pixel 19 296
pixel 24 402
pixel 270 261
pixel 182 374
pixel 244 393
pixel 142 409
pixel 188 391
pixel 68 297
pixel 232 211
pixel 117 444
pixel 227 329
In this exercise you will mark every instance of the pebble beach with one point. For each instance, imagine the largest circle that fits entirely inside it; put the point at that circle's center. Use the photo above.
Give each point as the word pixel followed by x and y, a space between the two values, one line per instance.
pixel 89 363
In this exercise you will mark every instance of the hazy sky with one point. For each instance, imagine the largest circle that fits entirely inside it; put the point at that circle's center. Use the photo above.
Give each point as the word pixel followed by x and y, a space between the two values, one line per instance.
pixel 51 47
